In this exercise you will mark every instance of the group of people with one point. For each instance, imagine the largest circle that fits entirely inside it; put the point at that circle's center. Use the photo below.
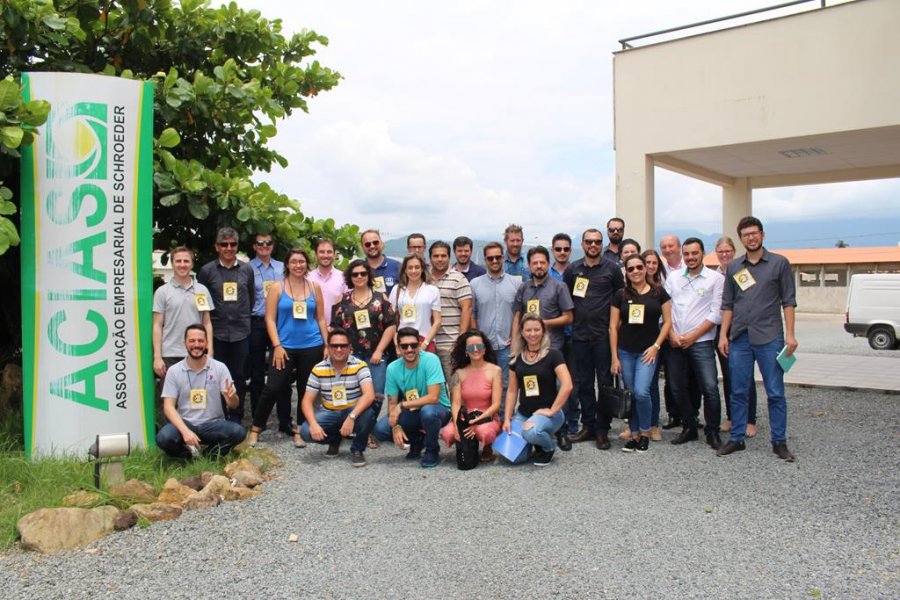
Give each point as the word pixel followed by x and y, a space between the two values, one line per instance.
pixel 522 344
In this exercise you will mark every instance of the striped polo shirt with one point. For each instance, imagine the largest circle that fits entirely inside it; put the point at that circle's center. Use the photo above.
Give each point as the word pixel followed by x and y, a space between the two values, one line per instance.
pixel 454 288
pixel 324 380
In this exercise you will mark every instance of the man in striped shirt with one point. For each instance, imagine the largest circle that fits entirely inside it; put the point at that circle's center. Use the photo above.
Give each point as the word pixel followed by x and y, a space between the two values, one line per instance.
pixel 345 385
pixel 456 303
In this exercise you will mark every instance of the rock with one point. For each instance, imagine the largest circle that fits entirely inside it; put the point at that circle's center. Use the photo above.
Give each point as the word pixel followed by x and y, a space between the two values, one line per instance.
pixel 293 538
pixel 134 491
pixel 241 465
pixel 203 499
pixel 247 479
pixel 205 477
pixel 195 483
pixel 158 511
pixel 10 388
pixel 83 499
pixel 126 519
pixel 241 493
pixel 53 529
pixel 174 493
pixel 216 486
pixel 262 459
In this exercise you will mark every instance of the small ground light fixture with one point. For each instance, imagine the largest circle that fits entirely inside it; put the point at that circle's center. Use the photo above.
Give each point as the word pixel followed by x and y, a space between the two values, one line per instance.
pixel 106 447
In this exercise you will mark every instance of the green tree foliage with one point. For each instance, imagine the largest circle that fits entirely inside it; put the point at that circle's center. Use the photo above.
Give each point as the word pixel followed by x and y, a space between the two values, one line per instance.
pixel 224 78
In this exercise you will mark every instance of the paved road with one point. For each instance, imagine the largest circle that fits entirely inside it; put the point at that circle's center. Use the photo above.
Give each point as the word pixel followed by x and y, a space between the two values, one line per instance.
pixel 824 334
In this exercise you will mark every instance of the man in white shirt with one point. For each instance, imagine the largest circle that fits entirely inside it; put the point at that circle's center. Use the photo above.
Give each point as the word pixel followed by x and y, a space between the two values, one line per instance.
pixel 696 295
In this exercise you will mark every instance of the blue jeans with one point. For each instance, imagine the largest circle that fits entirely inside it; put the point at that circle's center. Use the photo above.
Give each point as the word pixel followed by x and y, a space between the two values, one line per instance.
pixel 379 377
pixel 331 420
pixel 726 386
pixel 592 362
pixel 741 356
pixel 542 429
pixel 234 355
pixel 219 435
pixel 700 358
pixel 654 393
pixel 429 418
pixel 638 378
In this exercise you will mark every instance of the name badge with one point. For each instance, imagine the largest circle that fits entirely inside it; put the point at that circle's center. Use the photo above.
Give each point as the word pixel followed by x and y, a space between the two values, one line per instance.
pixel 378 284
pixel 519 277
pixel 411 395
pixel 267 285
pixel 339 395
pixel 533 307
pixel 581 286
pixel 408 313
pixel 362 319
pixel 636 314
pixel 197 399
pixel 300 309
pixel 230 291
pixel 201 302
pixel 532 388
pixel 744 279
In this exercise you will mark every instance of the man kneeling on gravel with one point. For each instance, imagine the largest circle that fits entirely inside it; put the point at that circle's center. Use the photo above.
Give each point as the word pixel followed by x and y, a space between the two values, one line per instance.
pixel 192 402
pixel 345 384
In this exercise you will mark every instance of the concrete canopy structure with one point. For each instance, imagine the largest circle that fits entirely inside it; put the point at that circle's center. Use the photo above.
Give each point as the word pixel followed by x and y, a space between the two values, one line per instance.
pixel 803 99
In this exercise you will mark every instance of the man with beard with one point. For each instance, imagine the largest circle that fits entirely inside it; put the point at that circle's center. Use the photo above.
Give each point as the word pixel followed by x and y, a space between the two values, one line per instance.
pixel 758 287
pixel 462 248
pixel 615 229
pixel 192 402
pixel 696 296
pixel 456 303
pixel 386 270
pixel 592 281
pixel 331 280
pixel 514 263
pixel 561 246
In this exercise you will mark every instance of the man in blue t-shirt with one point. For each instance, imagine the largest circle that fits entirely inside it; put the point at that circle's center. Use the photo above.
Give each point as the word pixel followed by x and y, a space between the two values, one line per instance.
pixel 417 399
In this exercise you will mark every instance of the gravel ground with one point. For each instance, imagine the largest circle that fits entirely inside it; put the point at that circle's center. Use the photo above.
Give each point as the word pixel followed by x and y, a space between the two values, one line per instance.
pixel 676 522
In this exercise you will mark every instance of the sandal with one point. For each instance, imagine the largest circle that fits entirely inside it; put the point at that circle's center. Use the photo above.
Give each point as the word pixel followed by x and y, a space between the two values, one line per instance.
pixel 298 441
pixel 373 443
pixel 253 436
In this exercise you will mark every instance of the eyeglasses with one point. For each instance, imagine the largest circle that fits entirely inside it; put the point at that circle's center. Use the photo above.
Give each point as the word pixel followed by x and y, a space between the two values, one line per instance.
pixel 561 249
pixel 338 346
pixel 409 346
pixel 359 274
pixel 615 229
pixel 265 244
pixel 227 244
pixel 296 263
pixel 634 268
pixel 493 258
pixel 371 244
pixel 751 234
pixel 474 347
pixel 594 242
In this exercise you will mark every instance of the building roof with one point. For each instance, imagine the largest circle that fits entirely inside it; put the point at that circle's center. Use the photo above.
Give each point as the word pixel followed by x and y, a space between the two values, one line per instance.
pixel 831 256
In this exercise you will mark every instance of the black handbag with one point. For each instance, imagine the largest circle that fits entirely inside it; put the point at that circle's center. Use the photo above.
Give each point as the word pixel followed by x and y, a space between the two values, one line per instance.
pixel 467 456
pixel 615 400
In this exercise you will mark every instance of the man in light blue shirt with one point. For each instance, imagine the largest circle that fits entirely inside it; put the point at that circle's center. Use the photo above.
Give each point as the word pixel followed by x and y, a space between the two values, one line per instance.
pixel 494 305
pixel 515 263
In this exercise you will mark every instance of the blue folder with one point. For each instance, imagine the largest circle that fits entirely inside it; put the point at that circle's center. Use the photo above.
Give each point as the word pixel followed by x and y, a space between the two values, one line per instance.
pixel 512 446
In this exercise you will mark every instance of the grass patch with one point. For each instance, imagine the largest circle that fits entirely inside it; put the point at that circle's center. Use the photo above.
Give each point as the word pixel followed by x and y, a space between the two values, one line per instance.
pixel 27 485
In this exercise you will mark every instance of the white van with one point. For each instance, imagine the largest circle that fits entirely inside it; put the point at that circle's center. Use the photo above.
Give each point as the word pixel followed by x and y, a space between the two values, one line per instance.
pixel 873 309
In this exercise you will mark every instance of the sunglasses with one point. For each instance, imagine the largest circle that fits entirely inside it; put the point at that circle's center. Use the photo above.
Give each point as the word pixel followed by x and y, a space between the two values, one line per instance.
pixel 371 244
pixel 561 249
pixel 359 274
pixel 410 346
pixel 634 268
pixel 265 244
pixel 593 242
pixel 615 229
pixel 493 258
pixel 474 347
pixel 227 244
pixel 339 346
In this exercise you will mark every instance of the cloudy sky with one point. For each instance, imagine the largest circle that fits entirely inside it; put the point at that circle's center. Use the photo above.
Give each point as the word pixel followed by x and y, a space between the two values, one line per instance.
pixel 461 117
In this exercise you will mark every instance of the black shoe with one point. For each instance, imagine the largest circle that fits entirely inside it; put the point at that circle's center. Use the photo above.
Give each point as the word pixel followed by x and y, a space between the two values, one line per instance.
pixel 714 441
pixel 602 441
pixel 333 449
pixel 541 458
pixel 630 446
pixel 730 447
pixel 415 451
pixel 688 434
pixel 673 423
pixel 582 436
pixel 643 444
pixel 782 451
pixel 563 441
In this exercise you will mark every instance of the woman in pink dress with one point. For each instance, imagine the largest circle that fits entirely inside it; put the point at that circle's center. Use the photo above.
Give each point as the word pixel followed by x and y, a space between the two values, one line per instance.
pixel 476 387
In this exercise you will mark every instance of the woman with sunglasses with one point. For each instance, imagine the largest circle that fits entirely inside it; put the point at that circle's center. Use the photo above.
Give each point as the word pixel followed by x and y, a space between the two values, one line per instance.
pixel 635 338
pixel 725 253
pixel 370 320
pixel 540 388
pixel 295 320
pixel 475 387
pixel 416 301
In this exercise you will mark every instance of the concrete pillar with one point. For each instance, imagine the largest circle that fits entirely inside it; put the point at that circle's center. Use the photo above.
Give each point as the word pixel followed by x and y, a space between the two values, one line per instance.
pixel 737 203
pixel 635 202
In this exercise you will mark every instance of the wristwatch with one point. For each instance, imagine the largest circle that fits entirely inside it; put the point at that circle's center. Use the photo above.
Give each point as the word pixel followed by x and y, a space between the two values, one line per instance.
pixel 352 417
pixel 657 346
